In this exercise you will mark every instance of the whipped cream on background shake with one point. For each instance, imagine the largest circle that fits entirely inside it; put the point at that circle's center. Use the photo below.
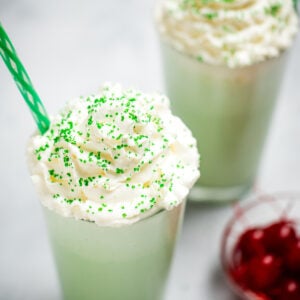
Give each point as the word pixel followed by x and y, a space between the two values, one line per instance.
pixel 233 33
pixel 223 63
pixel 113 172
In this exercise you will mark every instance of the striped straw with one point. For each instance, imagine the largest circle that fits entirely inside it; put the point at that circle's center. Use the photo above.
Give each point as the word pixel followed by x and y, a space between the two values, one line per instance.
pixel 296 5
pixel 23 82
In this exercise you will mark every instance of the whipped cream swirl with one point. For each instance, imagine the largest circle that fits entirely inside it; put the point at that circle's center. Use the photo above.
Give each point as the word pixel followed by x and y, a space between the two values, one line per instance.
pixel 114 158
pixel 233 33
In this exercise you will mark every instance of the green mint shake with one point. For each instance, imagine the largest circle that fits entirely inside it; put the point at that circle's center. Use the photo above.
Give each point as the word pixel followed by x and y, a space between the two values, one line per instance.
pixel 223 63
pixel 130 262
pixel 113 172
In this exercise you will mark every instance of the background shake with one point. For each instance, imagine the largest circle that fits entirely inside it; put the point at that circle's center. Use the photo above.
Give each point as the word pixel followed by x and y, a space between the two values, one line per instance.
pixel 113 171
pixel 223 65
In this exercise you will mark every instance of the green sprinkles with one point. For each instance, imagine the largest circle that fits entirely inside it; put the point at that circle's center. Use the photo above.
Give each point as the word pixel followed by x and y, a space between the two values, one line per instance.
pixel 211 15
pixel 119 171
pixel 273 10
pixel 72 144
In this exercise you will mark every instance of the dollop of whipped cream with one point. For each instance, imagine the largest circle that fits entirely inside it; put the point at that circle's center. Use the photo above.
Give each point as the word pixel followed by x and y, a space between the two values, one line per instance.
pixel 114 158
pixel 233 33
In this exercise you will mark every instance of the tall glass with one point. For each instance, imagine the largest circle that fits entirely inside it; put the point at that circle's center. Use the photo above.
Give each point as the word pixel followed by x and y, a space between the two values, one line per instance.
pixel 114 263
pixel 229 112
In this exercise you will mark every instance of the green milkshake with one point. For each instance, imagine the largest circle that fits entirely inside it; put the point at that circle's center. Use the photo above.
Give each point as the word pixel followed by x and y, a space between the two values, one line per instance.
pixel 130 262
pixel 113 172
pixel 224 63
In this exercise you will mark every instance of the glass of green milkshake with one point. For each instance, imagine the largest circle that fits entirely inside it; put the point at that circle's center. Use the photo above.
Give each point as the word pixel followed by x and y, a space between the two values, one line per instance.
pixel 113 171
pixel 224 62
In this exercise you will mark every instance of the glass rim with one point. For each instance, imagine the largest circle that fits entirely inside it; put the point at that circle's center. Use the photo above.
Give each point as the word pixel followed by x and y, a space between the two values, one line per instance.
pixel 160 211
pixel 257 200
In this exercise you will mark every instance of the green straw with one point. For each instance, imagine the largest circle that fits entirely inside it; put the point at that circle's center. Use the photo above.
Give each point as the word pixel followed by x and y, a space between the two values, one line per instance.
pixel 296 5
pixel 24 84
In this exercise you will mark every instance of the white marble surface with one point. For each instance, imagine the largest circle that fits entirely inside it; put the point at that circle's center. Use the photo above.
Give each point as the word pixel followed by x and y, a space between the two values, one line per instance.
pixel 69 47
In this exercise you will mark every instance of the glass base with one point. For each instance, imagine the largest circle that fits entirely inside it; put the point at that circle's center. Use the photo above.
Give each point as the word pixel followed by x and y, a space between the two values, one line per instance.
pixel 218 195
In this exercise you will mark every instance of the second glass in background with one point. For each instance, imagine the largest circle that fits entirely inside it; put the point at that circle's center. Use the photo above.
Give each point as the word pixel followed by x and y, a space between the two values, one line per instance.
pixel 229 112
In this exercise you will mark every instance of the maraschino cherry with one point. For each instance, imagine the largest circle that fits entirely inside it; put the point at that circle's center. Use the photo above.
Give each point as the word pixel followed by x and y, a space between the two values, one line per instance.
pixel 290 290
pixel 264 272
pixel 293 258
pixel 250 245
pixel 266 261
pixel 279 237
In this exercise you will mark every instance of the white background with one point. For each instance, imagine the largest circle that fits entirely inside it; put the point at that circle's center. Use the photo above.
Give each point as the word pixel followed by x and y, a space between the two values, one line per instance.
pixel 69 48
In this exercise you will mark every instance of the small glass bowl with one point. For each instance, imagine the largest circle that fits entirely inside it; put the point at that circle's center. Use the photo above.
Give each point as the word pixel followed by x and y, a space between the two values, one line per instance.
pixel 261 211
